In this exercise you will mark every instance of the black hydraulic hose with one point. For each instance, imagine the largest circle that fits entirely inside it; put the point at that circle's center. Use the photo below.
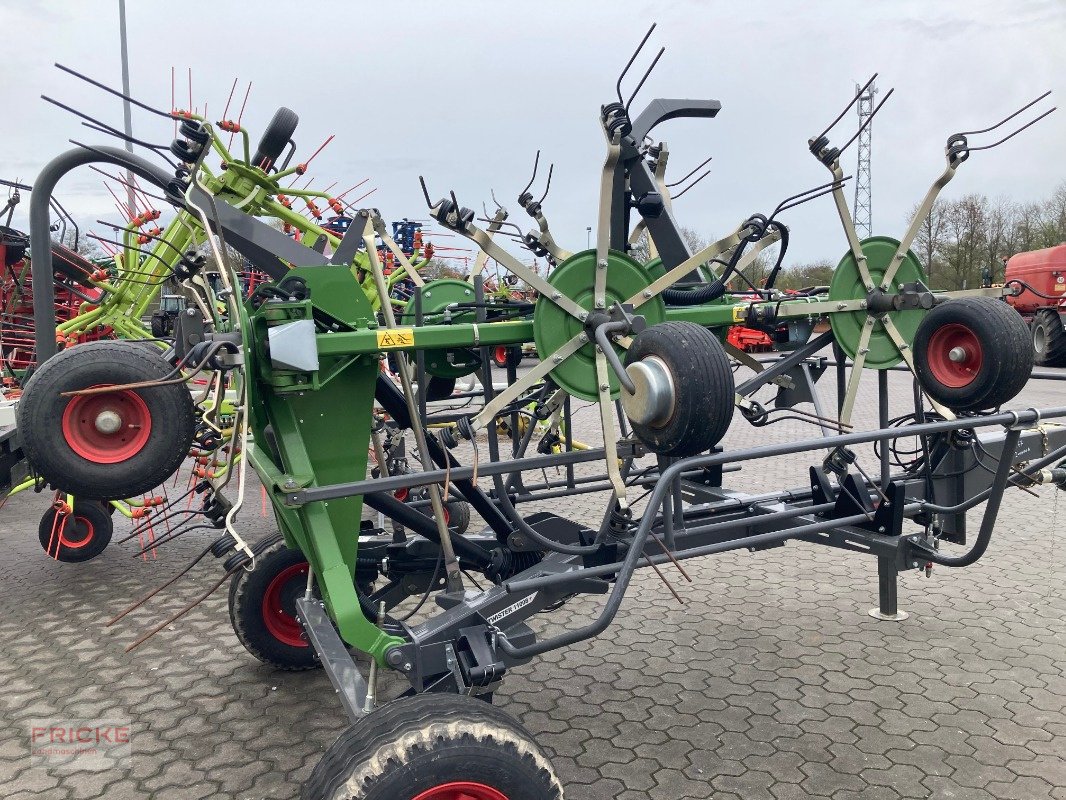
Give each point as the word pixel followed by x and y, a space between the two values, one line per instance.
pixel 988 521
pixel 771 279
pixel 40 234
pixel 708 292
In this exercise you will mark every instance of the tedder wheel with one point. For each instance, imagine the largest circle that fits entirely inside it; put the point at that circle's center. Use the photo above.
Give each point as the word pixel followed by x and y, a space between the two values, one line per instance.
pixel 503 356
pixel 109 445
pixel 82 535
pixel 434 747
pixel 458 515
pixel 262 608
pixel 973 353
pixel 684 399
pixel 276 135
pixel 1049 339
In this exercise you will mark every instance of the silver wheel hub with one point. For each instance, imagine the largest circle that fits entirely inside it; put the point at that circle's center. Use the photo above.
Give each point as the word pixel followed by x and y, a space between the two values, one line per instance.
pixel 957 354
pixel 653 401
pixel 108 422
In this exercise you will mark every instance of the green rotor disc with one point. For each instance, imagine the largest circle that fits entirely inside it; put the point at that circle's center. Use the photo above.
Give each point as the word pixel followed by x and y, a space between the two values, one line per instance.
pixel 436 297
pixel 848 285
pixel 553 327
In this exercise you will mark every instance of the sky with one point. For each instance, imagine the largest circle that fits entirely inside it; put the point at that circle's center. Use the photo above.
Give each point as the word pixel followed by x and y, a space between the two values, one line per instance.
pixel 466 92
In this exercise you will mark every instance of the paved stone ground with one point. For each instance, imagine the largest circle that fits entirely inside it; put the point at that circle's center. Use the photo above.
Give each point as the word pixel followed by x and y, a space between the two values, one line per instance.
pixel 770 683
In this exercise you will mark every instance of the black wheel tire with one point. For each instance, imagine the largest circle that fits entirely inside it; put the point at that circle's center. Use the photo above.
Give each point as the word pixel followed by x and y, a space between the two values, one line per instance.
pixel 159 326
pixel 1049 339
pixel 85 535
pixel 280 575
pixel 506 356
pixel 159 420
pixel 997 353
pixel 703 387
pixel 458 515
pixel 411 746
pixel 277 134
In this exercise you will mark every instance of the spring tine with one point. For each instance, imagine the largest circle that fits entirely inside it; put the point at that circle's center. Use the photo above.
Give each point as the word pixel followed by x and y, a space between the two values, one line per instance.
pixel 646 75
pixel 1029 124
pixel 632 58
pixel 551 169
pixel 229 99
pixel 810 194
pixel 700 178
pixel 869 119
pixel 822 193
pixel 847 108
pixel 695 169
pixel 494 200
pixel 115 92
pixel 536 163
pixel 425 191
pixel 1009 118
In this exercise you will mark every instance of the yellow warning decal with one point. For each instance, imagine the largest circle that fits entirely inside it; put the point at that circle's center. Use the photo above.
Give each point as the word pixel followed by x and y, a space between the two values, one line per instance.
pixel 396 337
pixel 739 313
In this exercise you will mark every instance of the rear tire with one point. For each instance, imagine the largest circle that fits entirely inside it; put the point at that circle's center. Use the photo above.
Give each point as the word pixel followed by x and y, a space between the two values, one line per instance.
pixel 1049 339
pixel 973 353
pixel 434 747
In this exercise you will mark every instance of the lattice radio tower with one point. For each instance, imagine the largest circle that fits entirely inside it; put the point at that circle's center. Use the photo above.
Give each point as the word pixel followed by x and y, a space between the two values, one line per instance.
pixel 863 210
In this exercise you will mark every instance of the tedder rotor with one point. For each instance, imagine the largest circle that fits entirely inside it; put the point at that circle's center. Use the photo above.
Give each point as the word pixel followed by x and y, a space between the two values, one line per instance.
pixel 643 341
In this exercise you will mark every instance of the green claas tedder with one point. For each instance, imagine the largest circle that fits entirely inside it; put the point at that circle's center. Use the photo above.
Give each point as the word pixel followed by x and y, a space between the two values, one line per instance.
pixel 304 356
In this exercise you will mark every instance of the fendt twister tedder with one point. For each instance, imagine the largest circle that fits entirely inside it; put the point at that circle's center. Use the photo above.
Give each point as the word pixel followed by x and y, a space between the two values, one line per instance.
pixel 643 342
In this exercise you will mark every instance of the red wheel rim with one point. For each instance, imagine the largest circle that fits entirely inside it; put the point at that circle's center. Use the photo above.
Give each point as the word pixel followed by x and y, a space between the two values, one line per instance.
pixel 461 790
pixel 107 428
pixel 76 525
pixel 501 355
pixel 280 623
pixel 955 355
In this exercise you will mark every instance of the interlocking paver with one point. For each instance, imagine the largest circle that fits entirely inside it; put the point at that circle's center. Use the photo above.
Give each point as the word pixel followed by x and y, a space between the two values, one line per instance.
pixel 770 682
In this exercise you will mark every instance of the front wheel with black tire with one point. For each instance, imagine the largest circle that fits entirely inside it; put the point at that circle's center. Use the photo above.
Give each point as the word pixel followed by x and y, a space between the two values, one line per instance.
pixel 1049 339
pixel 112 443
pixel 973 353
pixel 262 609
pixel 685 389
pixel 77 535
pixel 434 747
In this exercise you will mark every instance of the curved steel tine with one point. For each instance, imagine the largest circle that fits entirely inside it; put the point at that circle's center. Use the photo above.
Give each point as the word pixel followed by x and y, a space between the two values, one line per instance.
pixel 536 163
pixel 700 178
pixel 551 169
pixel 869 119
pixel 1006 119
pixel 646 74
pixel 847 108
pixel 1029 124
pixel 812 197
pixel 833 184
pixel 115 92
pixel 632 58
pixel 692 172
pixel 494 200
pixel 425 191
